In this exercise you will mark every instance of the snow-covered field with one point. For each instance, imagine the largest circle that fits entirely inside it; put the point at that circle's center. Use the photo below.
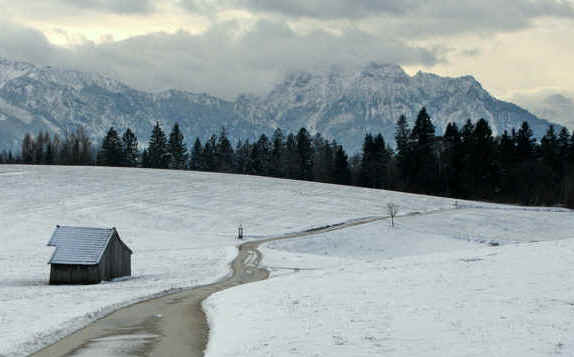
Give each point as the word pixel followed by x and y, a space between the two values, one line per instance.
pixel 434 285
pixel 425 287
pixel 181 226
pixel 438 232
pixel 503 301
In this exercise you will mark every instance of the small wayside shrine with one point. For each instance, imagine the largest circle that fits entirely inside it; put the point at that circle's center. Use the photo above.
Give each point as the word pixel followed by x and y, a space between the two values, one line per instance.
pixel 88 255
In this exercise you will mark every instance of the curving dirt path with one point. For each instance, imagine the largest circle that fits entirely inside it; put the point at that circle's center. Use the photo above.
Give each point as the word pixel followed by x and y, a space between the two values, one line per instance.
pixel 173 325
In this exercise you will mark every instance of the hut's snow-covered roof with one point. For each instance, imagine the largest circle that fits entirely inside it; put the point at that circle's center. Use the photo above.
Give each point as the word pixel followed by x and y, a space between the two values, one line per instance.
pixel 79 245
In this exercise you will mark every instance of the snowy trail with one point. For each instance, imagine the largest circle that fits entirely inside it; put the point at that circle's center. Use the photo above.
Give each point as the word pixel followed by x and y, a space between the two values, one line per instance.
pixel 513 300
pixel 173 325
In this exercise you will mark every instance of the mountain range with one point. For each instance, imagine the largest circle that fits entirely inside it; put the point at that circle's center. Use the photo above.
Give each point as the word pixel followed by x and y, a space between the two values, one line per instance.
pixel 339 103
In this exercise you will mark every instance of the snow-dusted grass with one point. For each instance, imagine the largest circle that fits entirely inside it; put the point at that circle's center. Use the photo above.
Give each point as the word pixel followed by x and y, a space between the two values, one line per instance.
pixel 508 300
pixel 515 300
pixel 446 230
pixel 181 226
pixel 431 286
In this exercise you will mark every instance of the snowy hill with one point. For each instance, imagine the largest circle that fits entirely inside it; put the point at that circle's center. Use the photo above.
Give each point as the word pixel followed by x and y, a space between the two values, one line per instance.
pixel 370 288
pixel 180 225
pixel 340 103
pixel 503 301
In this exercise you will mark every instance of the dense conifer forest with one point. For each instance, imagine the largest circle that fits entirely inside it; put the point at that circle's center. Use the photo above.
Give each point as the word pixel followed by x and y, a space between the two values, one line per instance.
pixel 467 162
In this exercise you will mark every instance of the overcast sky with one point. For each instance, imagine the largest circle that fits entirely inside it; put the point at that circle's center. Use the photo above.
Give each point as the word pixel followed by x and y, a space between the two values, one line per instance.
pixel 515 48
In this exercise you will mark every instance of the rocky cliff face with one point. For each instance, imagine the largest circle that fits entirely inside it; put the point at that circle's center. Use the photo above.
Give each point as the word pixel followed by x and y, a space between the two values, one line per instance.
pixel 345 104
pixel 339 103
pixel 43 98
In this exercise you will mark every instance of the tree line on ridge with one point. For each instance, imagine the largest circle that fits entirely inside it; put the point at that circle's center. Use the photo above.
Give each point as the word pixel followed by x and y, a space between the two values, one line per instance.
pixel 467 162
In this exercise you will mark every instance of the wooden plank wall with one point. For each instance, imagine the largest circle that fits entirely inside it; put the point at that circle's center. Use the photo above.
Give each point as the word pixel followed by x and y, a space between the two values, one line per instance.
pixel 115 263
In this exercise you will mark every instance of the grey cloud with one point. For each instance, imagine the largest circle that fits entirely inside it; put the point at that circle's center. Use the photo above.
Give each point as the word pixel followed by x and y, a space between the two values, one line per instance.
pixel 489 16
pixel 473 52
pixel 54 11
pixel 407 18
pixel 327 9
pixel 458 17
pixel 552 104
pixel 443 8
pixel 217 61
pixel 21 43
pixel 113 6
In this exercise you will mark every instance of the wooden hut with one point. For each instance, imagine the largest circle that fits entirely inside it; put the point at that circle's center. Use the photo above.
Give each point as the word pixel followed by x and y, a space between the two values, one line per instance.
pixel 88 255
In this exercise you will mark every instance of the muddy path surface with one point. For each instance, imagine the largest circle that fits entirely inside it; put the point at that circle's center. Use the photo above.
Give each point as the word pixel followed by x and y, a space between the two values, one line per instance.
pixel 173 325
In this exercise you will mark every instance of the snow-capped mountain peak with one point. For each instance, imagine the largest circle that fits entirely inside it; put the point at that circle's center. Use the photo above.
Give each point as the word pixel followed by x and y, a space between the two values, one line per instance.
pixel 10 70
pixel 340 102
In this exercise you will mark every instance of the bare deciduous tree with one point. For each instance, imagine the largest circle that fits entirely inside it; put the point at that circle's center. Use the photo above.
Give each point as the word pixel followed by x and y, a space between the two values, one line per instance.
pixel 392 210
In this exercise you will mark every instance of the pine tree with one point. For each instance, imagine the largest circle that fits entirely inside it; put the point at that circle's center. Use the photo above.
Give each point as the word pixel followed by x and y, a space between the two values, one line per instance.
pixel 525 142
pixel 424 173
pixel 322 159
pixel 305 155
pixel 422 134
pixel 382 162
pixel 551 149
pixel 145 159
pixel 341 171
pixel 196 156
pixel 241 162
pixel 65 153
pixel 130 148
pixel 291 157
pixel 209 160
pixel 176 149
pixel 402 134
pixel 6 157
pixel 112 151
pixel 157 151
pixel 452 135
pixel 224 152
pixel 568 177
pixel 57 148
pixel 76 149
pixel 506 156
pixel 452 160
pixel 276 167
pixel 482 160
pixel 85 151
pixel 28 149
pixel 374 163
pixel 467 130
pixel 50 153
pixel 482 133
pixel 40 148
pixel 563 143
pixel 506 149
pixel 367 171
pixel 260 157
